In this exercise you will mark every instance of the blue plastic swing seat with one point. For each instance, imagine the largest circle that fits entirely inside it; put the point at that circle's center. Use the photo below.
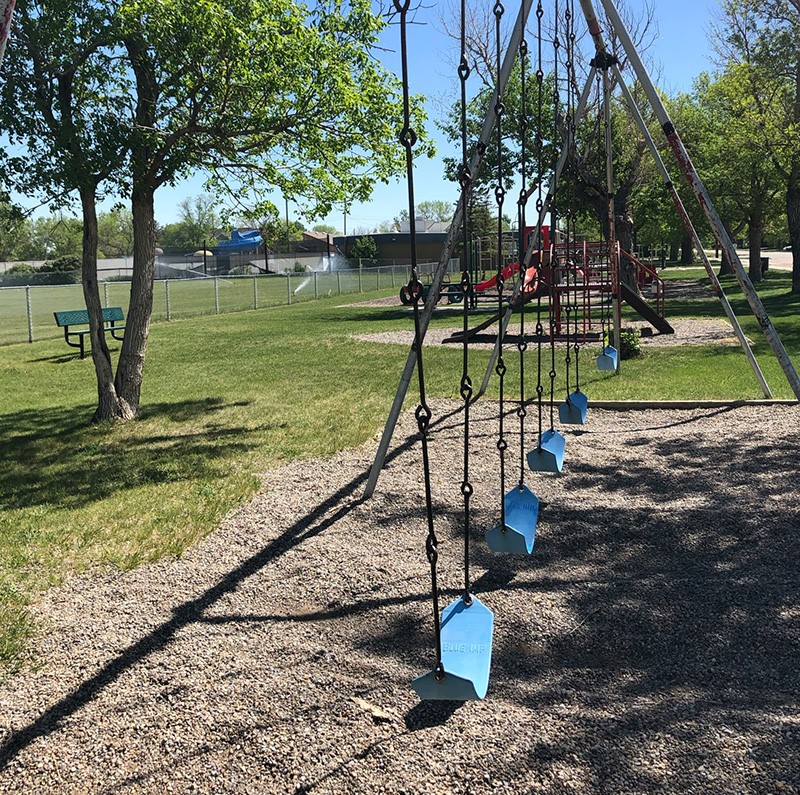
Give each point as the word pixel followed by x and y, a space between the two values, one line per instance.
pixel 608 358
pixel 549 455
pixel 466 638
pixel 521 513
pixel 573 410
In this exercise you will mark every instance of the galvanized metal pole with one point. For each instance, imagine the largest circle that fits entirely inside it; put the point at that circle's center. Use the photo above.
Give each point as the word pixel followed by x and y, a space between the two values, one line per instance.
pixel 692 232
pixel 216 295
pixel 452 237
pixel 166 298
pixel 696 184
pixel 288 288
pixel 29 311
pixel 614 263
pixel 255 291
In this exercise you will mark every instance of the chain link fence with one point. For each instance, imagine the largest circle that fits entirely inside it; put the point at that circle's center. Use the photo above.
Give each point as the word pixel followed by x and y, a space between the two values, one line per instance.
pixel 26 312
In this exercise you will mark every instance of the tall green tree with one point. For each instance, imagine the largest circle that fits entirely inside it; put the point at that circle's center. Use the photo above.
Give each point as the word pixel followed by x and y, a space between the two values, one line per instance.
pixel 760 39
pixel 115 232
pixel 138 94
pixel 63 106
pixel 198 221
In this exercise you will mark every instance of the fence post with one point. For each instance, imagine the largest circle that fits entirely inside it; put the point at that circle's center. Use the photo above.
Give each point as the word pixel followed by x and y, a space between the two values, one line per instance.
pixel 392 274
pixel 216 295
pixel 316 294
pixel 105 293
pixel 378 278
pixel 338 282
pixel 288 288
pixel 166 296
pixel 359 277
pixel 30 313
pixel 255 292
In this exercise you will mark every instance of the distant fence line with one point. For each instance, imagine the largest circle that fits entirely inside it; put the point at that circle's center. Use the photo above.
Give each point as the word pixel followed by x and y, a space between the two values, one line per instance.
pixel 26 312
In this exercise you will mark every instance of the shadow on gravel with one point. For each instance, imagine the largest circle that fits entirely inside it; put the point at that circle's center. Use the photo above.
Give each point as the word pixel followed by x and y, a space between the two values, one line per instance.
pixel 338 505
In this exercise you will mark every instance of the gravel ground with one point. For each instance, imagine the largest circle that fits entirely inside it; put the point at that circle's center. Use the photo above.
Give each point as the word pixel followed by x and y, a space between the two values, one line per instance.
pixel 688 331
pixel 649 645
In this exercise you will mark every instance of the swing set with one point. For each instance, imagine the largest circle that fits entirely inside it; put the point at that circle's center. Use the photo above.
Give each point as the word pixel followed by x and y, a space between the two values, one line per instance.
pixel 463 630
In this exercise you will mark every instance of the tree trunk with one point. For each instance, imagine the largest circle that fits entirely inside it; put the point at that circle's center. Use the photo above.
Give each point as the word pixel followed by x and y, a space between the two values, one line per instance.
pixel 674 246
pixel 793 216
pixel 109 405
pixel 623 228
pixel 130 369
pixel 726 266
pixel 793 192
pixel 687 250
pixel 755 234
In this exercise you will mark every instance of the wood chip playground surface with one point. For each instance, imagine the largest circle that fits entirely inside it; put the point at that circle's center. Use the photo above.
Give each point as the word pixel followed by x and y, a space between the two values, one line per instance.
pixel 651 644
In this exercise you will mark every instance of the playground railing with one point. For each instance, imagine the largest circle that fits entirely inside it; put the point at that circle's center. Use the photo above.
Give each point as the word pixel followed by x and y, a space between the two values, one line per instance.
pixel 647 276
pixel 26 312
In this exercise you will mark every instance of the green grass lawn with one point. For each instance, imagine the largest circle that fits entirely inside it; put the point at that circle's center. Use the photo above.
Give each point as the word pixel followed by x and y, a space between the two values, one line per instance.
pixel 226 396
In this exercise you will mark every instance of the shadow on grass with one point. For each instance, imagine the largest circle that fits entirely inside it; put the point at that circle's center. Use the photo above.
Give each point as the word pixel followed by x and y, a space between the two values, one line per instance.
pixel 52 456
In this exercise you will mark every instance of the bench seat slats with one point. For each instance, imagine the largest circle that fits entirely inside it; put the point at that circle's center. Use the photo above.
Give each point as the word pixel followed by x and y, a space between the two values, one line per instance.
pixel 80 317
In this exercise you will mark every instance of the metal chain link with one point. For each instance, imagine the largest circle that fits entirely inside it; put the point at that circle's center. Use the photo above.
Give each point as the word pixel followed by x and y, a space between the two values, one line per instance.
pixel 522 344
pixel 539 206
pixel 499 197
pixel 408 139
pixel 554 218
pixel 465 180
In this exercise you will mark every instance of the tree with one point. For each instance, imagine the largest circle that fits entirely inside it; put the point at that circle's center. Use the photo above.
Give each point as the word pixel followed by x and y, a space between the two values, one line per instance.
pixel 327 229
pixel 198 221
pixel 364 251
pixel 762 39
pixel 136 94
pixel 63 103
pixel 115 232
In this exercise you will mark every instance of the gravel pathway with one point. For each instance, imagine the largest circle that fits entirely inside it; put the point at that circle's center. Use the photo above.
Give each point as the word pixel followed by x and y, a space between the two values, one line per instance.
pixel 688 331
pixel 649 645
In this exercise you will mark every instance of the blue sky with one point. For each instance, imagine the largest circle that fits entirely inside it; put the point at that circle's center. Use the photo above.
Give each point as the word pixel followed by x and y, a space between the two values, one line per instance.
pixel 678 53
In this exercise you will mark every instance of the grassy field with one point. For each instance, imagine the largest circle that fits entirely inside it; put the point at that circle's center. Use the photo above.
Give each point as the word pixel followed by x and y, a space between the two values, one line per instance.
pixel 187 297
pixel 226 396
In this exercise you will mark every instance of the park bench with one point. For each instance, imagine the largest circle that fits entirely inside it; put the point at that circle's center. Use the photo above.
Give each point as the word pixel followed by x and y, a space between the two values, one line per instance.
pixel 80 317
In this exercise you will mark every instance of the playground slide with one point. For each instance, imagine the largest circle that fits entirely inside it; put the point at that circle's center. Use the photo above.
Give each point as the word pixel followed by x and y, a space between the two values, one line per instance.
pixel 645 310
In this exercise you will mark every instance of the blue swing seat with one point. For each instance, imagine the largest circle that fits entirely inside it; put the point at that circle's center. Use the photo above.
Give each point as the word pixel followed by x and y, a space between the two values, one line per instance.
pixel 573 410
pixel 521 514
pixel 608 358
pixel 549 455
pixel 466 639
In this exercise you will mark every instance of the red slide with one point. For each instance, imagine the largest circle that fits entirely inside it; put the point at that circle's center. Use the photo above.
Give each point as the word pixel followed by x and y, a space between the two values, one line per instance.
pixel 510 272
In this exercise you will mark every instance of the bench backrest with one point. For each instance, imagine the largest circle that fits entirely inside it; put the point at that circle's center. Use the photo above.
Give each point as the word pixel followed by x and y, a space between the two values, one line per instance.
pixel 76 317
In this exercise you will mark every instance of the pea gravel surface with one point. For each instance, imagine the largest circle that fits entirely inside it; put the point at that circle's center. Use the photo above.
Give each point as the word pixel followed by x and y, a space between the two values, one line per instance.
pixel 651 643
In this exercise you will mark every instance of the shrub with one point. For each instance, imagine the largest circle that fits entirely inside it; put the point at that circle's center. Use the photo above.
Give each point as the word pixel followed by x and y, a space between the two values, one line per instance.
pixel 630 347
pixel 22 267
pixel 65 264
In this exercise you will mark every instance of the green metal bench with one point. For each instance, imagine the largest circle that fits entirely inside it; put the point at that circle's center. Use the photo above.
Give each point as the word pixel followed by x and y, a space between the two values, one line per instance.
pixel 80 317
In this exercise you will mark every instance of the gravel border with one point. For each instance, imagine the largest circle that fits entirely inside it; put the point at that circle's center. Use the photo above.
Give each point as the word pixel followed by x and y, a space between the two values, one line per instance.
pixel 650 644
